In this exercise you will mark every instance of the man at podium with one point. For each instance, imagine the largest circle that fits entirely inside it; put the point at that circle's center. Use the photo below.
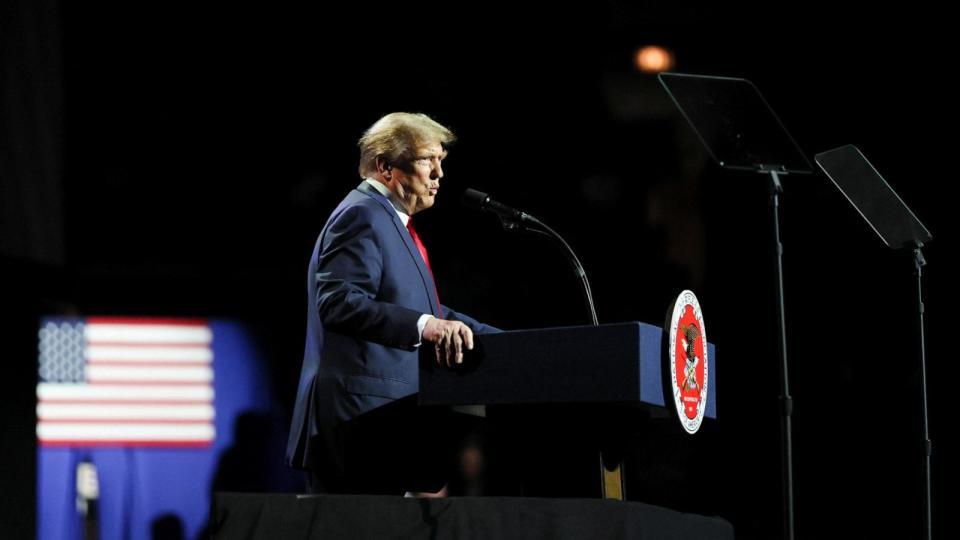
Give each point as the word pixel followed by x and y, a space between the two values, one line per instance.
pixel 372 303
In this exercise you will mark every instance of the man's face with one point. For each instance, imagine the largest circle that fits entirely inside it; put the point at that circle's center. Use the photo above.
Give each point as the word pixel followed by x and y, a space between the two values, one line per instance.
pixel 417 180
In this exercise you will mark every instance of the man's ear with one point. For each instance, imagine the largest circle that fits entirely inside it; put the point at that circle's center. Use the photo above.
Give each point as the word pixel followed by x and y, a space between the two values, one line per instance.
pixel 384 167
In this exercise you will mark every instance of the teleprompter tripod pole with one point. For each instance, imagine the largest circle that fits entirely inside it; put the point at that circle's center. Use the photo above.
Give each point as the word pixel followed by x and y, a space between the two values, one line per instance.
pixel 918 264
pixel 786 402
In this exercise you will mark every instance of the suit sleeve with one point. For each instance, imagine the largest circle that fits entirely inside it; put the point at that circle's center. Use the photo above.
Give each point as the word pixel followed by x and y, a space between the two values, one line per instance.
pixel 349 270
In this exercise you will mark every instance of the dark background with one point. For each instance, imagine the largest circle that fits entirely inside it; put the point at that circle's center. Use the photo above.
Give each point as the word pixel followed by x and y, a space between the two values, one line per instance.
pixel 166 159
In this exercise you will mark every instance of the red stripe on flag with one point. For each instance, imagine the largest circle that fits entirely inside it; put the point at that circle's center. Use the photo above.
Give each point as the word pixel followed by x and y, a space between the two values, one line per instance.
pixel 113 362
pixel 139 382
pixel 166 421
pixel 123 442
pixel 125 402
pixel 146 321
pixel 149 344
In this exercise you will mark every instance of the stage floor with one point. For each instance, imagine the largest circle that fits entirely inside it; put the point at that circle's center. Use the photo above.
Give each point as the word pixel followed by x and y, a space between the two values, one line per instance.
pixel 290 516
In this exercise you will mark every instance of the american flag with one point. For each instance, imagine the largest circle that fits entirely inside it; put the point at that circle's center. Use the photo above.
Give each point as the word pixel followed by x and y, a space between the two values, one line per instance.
pixel 125 382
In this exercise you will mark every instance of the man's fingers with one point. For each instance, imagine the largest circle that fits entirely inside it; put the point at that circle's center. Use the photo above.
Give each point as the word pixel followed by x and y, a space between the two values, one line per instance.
pixel 450 350
pixel 450 339
pixel 468 337
pixel 458 347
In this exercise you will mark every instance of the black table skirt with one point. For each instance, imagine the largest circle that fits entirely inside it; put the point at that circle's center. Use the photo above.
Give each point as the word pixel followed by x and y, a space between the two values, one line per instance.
pixel 288 516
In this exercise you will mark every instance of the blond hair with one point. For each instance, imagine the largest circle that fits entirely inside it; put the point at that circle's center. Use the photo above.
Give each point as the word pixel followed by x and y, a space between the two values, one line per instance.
pixel 396 137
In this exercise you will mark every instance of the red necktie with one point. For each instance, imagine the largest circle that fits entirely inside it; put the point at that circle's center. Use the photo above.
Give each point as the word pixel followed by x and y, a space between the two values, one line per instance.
pixel 426 260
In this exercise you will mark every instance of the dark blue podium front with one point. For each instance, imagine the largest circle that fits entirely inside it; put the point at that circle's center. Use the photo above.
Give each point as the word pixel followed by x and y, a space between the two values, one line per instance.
pixel 612 363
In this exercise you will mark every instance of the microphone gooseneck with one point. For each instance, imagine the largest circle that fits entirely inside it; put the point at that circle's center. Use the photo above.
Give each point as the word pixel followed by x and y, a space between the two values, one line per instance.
pixel 513 219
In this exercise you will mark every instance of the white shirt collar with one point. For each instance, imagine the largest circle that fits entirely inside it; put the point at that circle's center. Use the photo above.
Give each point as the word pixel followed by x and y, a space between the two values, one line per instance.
pixel 404 218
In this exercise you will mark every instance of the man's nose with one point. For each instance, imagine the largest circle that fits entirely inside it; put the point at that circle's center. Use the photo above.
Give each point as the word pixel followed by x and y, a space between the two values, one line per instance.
pixel 437 171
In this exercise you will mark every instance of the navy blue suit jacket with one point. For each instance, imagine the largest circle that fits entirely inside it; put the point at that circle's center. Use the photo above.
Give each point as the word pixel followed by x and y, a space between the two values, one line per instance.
pixel 368 286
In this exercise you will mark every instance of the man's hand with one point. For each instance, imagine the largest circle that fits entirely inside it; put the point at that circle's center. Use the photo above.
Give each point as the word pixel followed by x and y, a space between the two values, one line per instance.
pixel 449 338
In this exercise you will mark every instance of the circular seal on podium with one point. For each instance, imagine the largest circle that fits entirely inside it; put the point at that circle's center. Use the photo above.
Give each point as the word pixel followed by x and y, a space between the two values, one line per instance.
pixel 686 364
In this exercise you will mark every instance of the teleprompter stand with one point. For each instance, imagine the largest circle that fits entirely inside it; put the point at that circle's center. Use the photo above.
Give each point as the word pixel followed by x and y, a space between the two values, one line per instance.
pixel 741 132
pixel 899 228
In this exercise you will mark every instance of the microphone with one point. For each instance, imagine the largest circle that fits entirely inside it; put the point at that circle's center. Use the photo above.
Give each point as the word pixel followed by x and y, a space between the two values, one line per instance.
pixel 482 201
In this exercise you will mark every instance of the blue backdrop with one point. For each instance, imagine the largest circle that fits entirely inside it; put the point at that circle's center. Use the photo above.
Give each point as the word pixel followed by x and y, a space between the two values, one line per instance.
pixel 142 488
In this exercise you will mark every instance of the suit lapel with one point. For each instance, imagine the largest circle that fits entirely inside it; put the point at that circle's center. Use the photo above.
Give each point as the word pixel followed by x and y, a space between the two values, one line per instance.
pixel 404 234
